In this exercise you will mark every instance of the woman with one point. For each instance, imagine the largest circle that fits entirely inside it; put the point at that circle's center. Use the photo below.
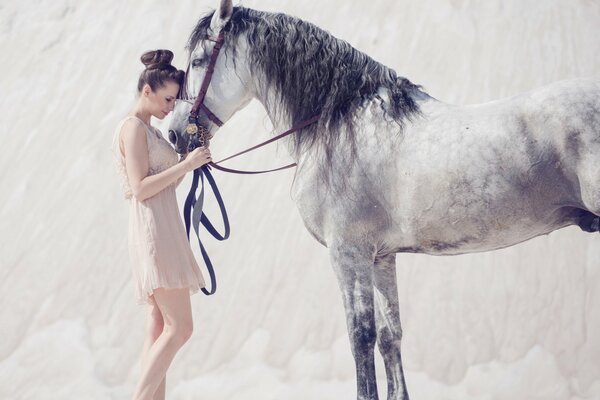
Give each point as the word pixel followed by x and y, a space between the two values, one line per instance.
pixel 164 269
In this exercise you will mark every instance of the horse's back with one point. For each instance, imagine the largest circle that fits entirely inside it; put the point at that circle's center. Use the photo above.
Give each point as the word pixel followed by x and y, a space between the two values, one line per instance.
pixel 571 105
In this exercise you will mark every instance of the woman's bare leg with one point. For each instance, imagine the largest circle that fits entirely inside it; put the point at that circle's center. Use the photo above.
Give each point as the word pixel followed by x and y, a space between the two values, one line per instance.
pixel 176 310
pixel 155 325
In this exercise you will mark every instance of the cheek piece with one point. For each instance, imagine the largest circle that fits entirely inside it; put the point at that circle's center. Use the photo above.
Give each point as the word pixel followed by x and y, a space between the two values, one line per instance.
pixel 199 133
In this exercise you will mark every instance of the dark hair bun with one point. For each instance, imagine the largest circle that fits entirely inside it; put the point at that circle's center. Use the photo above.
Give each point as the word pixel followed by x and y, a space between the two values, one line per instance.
pixel 157 58
pixel 159 70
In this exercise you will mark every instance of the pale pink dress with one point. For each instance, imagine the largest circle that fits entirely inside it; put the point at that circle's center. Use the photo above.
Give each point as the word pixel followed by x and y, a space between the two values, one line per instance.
pixel 159 251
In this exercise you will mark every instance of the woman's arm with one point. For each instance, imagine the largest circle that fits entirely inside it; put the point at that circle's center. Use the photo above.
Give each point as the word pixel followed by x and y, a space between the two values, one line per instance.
pixel 182 176
pixel 135 145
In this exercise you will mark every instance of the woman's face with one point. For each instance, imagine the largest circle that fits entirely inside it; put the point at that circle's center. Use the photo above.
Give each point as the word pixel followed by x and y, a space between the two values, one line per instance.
pixel 161 102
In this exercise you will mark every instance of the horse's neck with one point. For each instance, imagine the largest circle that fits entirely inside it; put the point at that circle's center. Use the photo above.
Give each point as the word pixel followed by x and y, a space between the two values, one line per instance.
pixel 375 124
pixel 269 100
pixel 281 123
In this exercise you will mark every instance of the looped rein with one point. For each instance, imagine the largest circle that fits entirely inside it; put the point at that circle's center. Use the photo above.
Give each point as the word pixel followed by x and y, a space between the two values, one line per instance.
pixel 192 211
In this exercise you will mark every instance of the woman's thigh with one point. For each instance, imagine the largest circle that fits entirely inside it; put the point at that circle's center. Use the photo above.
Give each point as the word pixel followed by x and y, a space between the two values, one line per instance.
pixel 175 307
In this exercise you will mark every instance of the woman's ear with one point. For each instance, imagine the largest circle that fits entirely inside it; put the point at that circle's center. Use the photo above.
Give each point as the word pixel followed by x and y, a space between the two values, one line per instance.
pixel 146 90
pixel 221 16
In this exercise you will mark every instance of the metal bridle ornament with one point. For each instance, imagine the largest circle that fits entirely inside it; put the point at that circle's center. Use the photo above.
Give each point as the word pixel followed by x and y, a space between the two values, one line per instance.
pixel 202 134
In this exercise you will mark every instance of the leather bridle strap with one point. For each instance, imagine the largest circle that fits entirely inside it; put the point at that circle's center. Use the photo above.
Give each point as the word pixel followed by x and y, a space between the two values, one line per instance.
pixel 194 216
pixel 199 103
pixel 295 128
pixel 210 115
pixel 237 171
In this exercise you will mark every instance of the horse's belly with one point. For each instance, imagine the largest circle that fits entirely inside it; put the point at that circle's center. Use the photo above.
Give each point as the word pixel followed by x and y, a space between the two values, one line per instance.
pixel 438 240
pixel 476 228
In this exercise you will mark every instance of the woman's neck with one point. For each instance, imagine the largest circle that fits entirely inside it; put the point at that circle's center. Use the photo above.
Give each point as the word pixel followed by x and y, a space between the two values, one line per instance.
pixel 141 112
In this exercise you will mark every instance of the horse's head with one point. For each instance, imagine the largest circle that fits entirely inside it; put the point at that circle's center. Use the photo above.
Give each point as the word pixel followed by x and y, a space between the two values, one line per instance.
pixel 228 83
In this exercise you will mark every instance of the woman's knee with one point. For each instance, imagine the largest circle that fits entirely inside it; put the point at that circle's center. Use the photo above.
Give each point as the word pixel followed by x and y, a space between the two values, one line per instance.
pixel 180 332
pixel 186 331
pixel 155 327
pixel 177 313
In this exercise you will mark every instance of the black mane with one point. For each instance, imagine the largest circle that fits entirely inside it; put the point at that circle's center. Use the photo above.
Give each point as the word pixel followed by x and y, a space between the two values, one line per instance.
pixel 314 73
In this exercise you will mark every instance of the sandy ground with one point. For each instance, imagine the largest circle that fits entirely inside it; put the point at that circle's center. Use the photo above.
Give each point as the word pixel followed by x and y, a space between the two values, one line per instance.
pixel 520 323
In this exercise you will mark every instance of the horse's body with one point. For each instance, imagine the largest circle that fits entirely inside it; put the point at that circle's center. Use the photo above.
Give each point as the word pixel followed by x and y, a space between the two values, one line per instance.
pixel 466 179
pixel 436 178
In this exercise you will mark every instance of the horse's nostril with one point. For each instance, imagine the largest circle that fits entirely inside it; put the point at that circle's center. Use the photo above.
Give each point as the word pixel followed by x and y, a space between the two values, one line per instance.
pixel 172 136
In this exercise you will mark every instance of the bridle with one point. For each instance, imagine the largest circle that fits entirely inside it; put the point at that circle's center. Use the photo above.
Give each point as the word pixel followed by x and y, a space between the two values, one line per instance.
pixel 192 212
pixel 202 134
pixel 194 126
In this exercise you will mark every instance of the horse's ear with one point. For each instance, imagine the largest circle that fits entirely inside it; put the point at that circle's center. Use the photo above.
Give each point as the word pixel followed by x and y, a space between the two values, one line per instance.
pixel 221 16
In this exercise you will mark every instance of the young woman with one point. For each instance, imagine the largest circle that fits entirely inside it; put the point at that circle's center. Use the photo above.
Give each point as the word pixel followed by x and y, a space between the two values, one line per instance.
pixel 164 269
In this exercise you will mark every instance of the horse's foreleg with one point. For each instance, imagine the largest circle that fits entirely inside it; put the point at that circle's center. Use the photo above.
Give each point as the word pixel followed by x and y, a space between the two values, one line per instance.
pixel 353 266
pixel 389 330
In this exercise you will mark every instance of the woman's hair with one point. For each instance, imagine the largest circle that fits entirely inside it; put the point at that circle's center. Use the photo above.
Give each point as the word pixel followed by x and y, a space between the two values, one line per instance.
pixel 159 70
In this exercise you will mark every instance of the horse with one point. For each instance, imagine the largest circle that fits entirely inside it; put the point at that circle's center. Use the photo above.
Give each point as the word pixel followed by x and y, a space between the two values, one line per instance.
pixel 387 168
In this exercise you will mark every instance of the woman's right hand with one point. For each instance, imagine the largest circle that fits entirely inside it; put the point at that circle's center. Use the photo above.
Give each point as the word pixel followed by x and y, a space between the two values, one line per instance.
pixel 197 158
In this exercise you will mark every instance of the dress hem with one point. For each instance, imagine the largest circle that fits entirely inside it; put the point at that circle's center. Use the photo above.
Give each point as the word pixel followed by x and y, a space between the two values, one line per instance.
pixel 193 289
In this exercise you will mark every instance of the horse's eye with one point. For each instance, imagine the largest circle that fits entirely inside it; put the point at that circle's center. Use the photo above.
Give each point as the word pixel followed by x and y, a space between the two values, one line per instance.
pixel 197 62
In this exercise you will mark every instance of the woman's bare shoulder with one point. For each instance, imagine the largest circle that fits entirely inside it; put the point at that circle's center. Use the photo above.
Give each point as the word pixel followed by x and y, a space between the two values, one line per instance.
pixel 133 129
pixel 132 136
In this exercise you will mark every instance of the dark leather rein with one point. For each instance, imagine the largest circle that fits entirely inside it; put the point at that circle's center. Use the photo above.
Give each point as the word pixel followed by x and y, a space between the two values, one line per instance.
pixel 192 211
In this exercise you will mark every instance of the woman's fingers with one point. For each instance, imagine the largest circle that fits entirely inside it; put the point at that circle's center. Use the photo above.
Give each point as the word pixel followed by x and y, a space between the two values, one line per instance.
pixel 200 156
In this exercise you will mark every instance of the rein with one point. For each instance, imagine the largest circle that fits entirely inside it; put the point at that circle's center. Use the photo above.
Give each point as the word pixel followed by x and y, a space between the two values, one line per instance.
pixel 295 128
pixel 192 211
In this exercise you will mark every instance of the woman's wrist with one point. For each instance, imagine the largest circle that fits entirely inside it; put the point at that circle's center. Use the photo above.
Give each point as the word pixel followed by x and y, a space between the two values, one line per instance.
pixel 185 164
pixel 188 166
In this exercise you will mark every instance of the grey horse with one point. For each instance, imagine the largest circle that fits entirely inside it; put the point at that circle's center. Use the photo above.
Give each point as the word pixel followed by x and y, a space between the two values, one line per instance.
pixel 388 168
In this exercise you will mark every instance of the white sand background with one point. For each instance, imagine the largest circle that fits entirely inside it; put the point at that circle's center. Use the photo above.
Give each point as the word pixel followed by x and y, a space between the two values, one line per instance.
pixel 521 323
